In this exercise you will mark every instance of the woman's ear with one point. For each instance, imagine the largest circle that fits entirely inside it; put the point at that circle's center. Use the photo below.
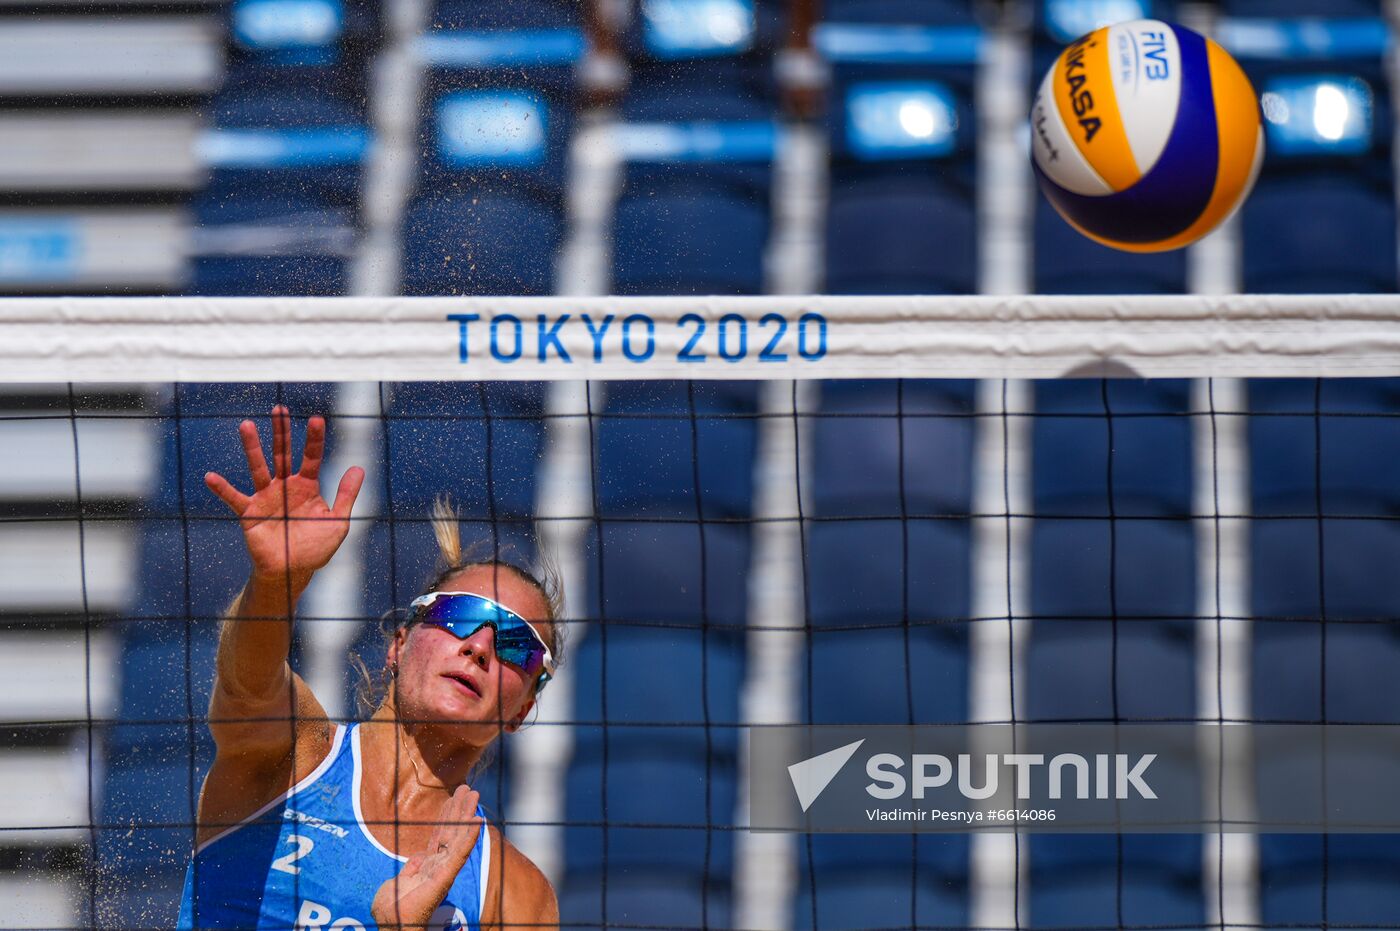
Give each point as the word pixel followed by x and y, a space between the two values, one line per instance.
pixel 514 723
pixel 395 651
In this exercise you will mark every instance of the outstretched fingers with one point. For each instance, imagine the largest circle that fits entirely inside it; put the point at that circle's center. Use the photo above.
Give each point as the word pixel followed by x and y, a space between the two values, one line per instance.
pixel 315 449
pixel 252 450
pixel 282 440
pixel 235 499
pixel 348 491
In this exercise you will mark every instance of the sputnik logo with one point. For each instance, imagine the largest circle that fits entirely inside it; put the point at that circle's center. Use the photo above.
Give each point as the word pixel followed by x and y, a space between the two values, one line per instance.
pixel 811 776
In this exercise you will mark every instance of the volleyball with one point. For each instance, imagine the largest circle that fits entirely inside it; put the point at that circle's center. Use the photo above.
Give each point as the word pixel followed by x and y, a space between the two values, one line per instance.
pixel 1146 135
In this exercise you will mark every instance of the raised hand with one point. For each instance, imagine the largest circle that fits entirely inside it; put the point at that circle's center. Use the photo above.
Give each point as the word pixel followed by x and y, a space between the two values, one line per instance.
pixel 410 899
pixel 289 529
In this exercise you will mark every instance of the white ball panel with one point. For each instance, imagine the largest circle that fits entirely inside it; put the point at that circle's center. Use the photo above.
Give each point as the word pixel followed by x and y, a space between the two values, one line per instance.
pixel 1055 150
pixel 1146 60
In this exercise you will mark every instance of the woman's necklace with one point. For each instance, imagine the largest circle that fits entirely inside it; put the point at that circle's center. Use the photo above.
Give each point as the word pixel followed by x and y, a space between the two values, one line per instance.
pixel 417 773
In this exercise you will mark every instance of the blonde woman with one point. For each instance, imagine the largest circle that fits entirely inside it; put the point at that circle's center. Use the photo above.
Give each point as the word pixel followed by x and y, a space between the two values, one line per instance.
pixel 308 824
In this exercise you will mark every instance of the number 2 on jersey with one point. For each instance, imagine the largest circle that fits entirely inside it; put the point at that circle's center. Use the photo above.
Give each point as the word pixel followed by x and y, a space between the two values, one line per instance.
pixel 284 864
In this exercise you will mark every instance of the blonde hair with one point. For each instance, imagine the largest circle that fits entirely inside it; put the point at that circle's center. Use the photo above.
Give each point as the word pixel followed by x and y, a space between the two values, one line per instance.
pixel 453 558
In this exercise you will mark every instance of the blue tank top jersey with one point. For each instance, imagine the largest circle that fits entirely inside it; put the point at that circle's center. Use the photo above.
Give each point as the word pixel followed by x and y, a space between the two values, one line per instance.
pixel 306 861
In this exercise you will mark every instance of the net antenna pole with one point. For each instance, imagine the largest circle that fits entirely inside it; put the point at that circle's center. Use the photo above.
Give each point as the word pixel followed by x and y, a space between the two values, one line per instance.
pixel 1224 637
pixel 1001 486
pixel 765 871
pixel 542 750
pixel 1000 598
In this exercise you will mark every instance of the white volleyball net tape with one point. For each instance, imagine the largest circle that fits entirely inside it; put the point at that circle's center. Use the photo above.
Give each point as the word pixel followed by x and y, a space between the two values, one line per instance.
pixel 826 510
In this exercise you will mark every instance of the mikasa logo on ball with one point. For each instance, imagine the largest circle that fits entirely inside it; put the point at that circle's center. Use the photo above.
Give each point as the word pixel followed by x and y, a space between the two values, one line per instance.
pixel 1076 79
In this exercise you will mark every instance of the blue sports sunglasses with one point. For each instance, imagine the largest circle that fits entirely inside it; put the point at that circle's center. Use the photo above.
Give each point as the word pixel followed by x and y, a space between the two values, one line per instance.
pixel 464 613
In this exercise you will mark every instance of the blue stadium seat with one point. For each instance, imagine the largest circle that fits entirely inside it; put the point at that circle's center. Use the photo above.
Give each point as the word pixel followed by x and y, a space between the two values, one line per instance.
pixel 901 235
pixel 1361 657
pixel 901 897
pixel 859 574
pixel 665 811
pixel 302 140
pixel 479 443
pixel 1059 22
pixel 475 16
pixel 647 899
pixel 1151 449
pixel 499 131
pixel 704 30
pixel 1152 561
pixel 684 242
pixel 1067 262
pixel 167 674
pixel 1277 9
pixel 1071 671
pixel 893 448
pixel 901 12
pixel 649 449
pixel 152 795
pixel 651 572
pixel 722 112
pixel 1353 423
pixel 645 676
pixel 1353 874
pixel 1105 898
pixel 1347 245
pixel 1179 854
pixel 453 244
pixel 254 245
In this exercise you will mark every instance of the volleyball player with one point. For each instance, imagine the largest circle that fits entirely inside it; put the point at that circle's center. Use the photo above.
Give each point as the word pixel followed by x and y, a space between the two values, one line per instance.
pixel 307 824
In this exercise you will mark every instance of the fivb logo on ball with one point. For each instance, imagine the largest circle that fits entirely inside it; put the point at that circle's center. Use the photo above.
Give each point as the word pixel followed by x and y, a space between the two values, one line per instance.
pixel 1146 136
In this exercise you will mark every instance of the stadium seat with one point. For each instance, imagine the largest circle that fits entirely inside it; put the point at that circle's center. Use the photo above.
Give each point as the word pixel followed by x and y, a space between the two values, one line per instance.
pixel 152 796
pixel 1353 874
pixel 650 452
pixel 689 242
pixel 665 810
pixel 654 899
pixel 1150 452
pixel 903 896
pixel 901 235
pixel 479 443
pixel 901 595
pixel 1067 262
pixel 1280 9
pixel 167 674
pixel 674 31
pixel 1347 244
pixel 1362 650
pixel 914 443
pixel 452 243
pixel 651 572
pixel 1353 424
pixel 303 141
pixel 497 131
pixel 722 112
pixel 259 246
pixel 475 16
pixel 1152 565
pixel 901 12
pixel 1059 22
pixel 635 678
pixel 1107 899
